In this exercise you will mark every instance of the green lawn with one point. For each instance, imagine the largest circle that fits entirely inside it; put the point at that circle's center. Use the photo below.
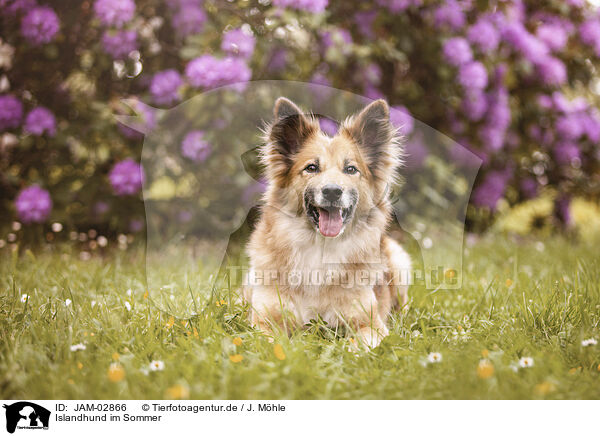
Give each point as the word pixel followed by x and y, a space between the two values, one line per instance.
pixel 520 299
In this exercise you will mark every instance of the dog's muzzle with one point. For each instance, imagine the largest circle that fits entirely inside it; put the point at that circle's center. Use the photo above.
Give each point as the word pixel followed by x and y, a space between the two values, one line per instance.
pixel 331 209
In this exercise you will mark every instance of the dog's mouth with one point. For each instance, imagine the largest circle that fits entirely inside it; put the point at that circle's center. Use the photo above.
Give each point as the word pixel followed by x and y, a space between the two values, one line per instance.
pixel 329 220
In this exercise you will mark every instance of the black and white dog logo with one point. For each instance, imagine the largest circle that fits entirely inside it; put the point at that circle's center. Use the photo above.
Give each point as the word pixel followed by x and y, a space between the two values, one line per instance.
pixel 26 415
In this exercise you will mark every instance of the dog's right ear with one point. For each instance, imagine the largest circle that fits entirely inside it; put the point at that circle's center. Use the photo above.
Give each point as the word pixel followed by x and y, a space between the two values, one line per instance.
pixel 284 137
pixel 285 108
pixel 290 127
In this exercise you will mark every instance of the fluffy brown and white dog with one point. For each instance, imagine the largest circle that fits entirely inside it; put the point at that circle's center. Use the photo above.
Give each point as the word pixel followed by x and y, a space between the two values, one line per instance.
pixel 320 247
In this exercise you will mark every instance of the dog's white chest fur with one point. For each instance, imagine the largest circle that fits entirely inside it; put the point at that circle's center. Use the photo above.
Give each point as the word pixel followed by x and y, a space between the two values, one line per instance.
pixel 320 277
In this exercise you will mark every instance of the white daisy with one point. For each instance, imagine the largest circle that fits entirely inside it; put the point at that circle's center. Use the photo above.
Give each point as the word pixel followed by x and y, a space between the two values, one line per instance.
pixel 588 342
pixel 128 306
pixel 526 362
pixel 77 347
pixel 434 357
pixel 24 298
pixel 68 302
pixel 157 365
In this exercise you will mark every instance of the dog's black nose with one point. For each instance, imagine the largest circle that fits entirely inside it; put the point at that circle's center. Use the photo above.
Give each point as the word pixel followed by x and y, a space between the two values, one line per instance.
pixel 332 192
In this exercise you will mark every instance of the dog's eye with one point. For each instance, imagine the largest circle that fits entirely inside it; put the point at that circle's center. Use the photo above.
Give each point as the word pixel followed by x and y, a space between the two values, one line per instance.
pixel 312 168
pixel 351 169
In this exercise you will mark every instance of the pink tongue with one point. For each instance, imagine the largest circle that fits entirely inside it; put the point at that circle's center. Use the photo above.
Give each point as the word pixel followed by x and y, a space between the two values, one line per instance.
pixel 330 222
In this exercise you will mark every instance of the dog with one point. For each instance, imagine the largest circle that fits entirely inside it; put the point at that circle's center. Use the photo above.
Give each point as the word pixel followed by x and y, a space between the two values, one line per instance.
pixel 320 249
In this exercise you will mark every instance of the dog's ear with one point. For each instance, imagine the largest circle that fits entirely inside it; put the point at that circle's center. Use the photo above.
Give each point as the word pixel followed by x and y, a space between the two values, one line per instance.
pixel 376 137
pixel 285 108
pixel 290 127
pixel 285 136
pixel 372 129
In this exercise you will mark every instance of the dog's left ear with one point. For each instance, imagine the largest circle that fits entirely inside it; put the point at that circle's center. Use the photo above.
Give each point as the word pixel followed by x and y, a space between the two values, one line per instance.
pixel 372 130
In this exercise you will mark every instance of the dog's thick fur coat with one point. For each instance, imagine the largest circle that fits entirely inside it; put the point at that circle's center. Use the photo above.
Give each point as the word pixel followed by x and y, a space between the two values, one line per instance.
pixel 305 230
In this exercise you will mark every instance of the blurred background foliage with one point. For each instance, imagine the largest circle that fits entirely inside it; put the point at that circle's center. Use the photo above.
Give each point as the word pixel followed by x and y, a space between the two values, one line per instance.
pixel 516 82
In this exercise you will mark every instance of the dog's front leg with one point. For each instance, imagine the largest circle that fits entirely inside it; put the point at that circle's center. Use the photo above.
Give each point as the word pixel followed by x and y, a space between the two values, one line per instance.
pixel 371 328
pixel 267 310
pixel 372 335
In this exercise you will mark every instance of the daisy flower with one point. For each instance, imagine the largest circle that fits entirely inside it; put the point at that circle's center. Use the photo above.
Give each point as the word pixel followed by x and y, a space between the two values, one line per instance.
pixel 588 342
pixel 68 302
pixel 178 392
pixel 434 357
pixel 116 372
pixel 544 388
pixel 128 306
pixel 236 358
pixel 485 369
pixel 157 365
pixel 278 350
pixel 24 298
pixel 77 347
pixel 526 362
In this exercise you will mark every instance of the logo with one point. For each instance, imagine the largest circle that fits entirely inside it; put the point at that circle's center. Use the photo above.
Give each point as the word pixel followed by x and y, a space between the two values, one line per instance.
pixel 26 415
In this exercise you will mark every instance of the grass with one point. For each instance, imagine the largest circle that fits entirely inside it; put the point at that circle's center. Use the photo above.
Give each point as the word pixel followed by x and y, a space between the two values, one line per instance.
pixel 519 299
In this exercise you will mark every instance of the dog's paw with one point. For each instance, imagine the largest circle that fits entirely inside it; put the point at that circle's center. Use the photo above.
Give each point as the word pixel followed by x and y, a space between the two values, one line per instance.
pixel 371 338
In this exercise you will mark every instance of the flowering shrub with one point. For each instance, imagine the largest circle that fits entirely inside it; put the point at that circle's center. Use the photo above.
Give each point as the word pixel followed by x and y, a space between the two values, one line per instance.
pixel 11 112
pixel 40 25
pixel 119 43
pixel 114 12
pixel 126 177
pixel 40 120
pixel 514 81
pixel 194 147
pixel 164 87
pixel 33 204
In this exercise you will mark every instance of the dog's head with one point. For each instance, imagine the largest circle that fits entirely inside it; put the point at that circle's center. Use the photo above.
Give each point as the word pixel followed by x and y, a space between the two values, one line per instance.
pixel 332 181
